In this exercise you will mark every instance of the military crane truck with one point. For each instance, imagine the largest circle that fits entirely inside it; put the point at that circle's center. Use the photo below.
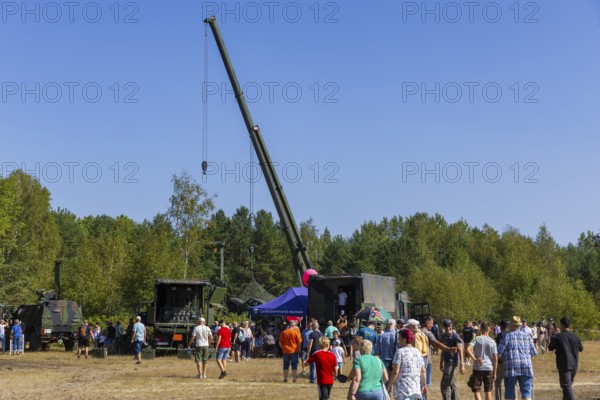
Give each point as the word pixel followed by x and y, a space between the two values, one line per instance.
pixel 50 319
pixel 176 307
pixel 367 289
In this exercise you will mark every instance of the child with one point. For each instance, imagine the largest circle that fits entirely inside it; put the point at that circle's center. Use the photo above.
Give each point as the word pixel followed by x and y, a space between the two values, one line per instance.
pixel 337 340
pixel 340 355
pixel 326 364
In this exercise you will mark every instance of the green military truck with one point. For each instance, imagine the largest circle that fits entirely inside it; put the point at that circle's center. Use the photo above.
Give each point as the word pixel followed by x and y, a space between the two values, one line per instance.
pixel 176 308
pixel 363 290
pixel 49 320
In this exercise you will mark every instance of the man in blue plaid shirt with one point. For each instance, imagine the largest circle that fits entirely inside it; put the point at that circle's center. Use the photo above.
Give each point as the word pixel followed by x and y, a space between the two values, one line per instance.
pixel 516 349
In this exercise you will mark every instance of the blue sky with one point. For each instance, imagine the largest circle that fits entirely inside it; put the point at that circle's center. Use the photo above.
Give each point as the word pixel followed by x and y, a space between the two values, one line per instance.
pixel 488 114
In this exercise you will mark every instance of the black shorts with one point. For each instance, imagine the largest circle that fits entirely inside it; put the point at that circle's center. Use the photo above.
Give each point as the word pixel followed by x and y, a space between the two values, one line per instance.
pixel 481 377
pixel 83 342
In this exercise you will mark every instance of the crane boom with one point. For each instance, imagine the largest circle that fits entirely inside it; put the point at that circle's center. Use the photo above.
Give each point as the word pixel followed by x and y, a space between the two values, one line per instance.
pixel 300 257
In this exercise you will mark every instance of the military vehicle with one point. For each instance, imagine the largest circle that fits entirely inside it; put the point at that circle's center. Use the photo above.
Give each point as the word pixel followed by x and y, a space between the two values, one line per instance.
pixel 365 289
pixel 6 311
pixel 176 308
pixel 50 319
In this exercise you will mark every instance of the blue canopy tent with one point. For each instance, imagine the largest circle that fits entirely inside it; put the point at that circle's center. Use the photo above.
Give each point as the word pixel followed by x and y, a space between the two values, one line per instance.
pixel 294 302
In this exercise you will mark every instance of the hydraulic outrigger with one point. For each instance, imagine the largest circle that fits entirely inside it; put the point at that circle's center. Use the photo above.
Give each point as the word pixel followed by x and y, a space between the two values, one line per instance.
pixel 300 257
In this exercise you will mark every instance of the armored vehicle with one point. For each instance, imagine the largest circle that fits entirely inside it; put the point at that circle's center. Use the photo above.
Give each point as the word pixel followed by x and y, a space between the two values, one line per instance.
pixel 176 308
pixel 50 320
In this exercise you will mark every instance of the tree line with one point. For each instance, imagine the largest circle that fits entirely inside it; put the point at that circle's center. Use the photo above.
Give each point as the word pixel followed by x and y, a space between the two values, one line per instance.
pixel 110 264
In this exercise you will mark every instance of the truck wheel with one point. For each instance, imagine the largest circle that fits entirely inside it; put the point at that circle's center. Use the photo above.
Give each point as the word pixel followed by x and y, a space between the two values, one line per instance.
pixel 45 346
pixel 69 344
pixel 35 343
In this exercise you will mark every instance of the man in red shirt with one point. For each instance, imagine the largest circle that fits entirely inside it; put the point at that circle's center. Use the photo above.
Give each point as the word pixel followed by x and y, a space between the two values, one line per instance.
pixel 326 364
pixel 223 347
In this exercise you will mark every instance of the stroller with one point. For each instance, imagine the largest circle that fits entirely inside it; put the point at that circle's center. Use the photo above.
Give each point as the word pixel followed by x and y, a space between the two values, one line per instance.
pixel 265 347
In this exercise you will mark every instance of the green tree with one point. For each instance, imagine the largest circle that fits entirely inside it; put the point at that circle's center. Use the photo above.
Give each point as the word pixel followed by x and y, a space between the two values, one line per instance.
pixel 190 207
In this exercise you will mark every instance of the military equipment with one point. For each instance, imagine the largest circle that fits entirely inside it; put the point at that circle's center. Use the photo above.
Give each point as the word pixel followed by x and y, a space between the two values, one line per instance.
pixel 367 289
pixel 363 290
pixel 50 319
pixel 300 258
pixel 6 311
pixel 177 306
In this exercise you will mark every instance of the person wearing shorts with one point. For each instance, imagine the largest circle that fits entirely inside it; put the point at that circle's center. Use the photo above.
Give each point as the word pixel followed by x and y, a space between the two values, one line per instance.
pixel 202 336
pixel 484 353
pixel 517 349
pixel 84 339
pixel 138 339
pixel 290 341
pixel 223 348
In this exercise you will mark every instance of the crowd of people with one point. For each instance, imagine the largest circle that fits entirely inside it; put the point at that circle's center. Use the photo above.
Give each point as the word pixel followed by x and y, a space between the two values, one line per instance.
pixel 387 357
pixel 11 336
pixel 95 336
pixel 394 358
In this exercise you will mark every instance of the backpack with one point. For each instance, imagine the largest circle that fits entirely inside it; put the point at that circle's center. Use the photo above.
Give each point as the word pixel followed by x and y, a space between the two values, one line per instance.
pixel 240 336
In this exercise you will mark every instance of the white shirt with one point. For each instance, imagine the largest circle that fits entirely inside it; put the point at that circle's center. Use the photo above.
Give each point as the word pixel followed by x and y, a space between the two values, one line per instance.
pixel 202 334
pixel 338 351
pixel 409 380
pixel 342 298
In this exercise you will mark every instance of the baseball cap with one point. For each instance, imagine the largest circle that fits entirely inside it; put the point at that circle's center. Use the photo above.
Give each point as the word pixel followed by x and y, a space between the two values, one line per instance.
pixel 447 322
pixel 413 322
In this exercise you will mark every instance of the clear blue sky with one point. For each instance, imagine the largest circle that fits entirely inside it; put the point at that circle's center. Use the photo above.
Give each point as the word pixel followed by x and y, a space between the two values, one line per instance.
pixel 387 107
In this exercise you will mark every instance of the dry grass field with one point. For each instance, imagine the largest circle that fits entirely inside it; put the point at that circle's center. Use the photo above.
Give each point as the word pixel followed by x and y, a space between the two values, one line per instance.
pixel 56 374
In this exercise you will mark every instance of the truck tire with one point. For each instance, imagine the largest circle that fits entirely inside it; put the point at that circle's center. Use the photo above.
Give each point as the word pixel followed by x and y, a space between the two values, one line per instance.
pixel 35 343
pixel 69 344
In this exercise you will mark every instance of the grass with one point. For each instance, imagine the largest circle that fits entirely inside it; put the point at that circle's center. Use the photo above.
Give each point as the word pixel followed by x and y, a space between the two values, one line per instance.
pixel 57 374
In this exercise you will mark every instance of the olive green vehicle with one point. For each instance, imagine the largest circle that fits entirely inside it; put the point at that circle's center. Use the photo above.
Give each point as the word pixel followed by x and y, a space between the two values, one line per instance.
pixel 49 321
pixel 176 308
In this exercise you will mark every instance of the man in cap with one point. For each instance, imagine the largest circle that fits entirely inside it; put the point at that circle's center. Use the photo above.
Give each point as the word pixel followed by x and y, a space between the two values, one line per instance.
pixel 138 338
pixel 567 346
pixel 517 348
pixel 450 361
pixel 421 342
pixel 427 331
pixel 203 336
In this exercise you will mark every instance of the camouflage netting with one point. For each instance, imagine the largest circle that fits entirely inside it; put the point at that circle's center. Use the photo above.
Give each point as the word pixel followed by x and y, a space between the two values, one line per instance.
pixel 254 289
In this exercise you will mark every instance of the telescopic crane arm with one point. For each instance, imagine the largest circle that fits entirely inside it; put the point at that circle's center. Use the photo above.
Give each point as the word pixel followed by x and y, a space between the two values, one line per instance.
pixel 300 257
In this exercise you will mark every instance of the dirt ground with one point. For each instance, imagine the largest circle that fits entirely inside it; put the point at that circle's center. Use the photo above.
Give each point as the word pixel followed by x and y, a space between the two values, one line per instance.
pixel 55 374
